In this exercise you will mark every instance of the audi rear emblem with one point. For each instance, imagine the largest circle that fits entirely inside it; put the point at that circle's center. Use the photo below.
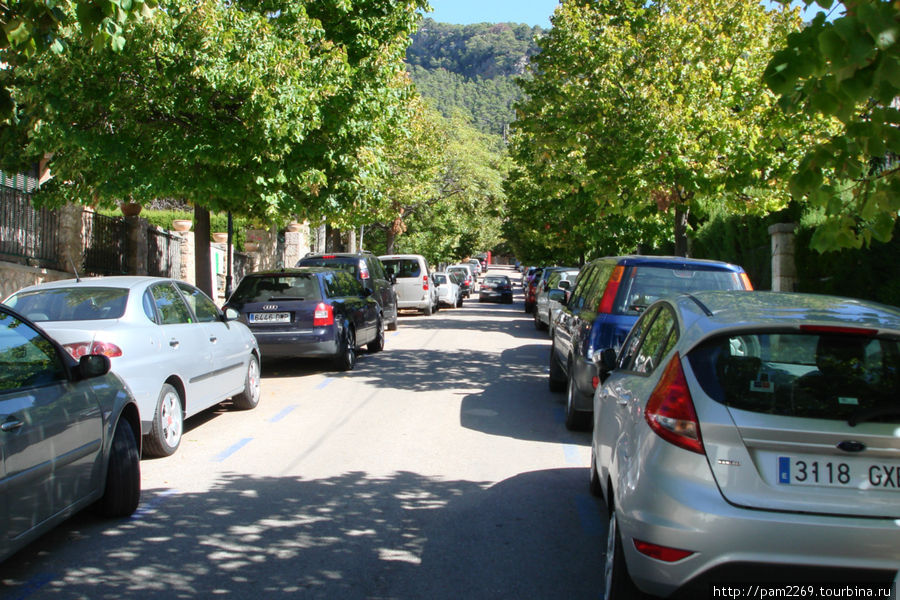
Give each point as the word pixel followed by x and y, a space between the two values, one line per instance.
pixel 270 307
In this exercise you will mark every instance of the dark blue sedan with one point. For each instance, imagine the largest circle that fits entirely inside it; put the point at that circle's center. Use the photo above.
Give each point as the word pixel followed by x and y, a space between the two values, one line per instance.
pixel 310 312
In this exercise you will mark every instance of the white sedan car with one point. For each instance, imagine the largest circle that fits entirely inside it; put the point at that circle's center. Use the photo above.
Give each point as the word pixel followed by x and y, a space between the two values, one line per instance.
pixel 448 291
pixel 176 351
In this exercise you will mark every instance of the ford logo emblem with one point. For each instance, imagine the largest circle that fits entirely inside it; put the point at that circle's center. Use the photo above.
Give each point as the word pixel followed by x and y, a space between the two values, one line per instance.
pixel 851 446
pixel 270 307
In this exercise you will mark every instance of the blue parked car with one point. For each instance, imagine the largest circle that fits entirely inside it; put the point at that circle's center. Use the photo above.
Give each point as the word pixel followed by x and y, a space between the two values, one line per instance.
pixel 609 295
pixel 310 312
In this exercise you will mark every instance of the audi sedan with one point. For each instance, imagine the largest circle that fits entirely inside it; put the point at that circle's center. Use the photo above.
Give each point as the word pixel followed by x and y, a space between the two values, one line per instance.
pixel 310 312
pixel 69 439
pixel 750 437
pixel 178 353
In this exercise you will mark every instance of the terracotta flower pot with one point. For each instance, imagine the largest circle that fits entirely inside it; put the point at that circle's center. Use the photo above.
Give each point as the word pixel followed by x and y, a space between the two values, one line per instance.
pixel 182 225
pixel 251 246
pixel 293 227
pixel 130 209
pixel 220 237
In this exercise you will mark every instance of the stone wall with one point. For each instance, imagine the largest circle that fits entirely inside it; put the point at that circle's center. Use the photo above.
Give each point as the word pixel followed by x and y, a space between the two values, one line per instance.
pixel 14 277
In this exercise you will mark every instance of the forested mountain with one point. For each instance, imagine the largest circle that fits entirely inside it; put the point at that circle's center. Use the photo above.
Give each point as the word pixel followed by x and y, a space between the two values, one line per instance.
pixel 472 68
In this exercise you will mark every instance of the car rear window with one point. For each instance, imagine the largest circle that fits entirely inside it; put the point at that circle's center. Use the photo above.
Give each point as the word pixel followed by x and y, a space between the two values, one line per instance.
pixel 349 264
pixel 71 304
pixel 440 279
pixel 824 376
pixel 643 285
pixel 403 267
pixel 270 288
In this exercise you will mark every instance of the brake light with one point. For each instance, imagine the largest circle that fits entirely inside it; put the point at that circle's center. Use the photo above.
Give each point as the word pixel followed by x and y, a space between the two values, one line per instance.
pixel 612 287
pixel 425 282
pixel 745 279
pixel 670 410
pixel 329 256
pixel 663 553
pixel 839 329
pixel 78 349
pixel 363 269
pixel 323 315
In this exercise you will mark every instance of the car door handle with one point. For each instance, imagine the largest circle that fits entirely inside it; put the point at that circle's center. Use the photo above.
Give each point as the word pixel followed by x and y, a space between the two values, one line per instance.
pixel 11 425
pixel 174 343
pixel 624 398
pixel 213 339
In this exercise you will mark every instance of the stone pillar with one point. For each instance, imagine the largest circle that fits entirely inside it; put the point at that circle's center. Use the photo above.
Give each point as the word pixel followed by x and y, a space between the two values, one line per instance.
pixel 784 267
pixel 296 244
pixel 137 245
pixel 70 244
pixel 188 259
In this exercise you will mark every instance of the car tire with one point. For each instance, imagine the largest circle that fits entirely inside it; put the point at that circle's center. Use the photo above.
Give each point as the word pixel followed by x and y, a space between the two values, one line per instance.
pixel 249 397
pixel 345 359
pixel 377 345
pixel 122 491
pixel 575 420
pixel 427 311
pixel 617 582
pixel 459 301
pixel 538 324
pixel 557 378
pixel 168 423
pixel 392 325
pixel 594 485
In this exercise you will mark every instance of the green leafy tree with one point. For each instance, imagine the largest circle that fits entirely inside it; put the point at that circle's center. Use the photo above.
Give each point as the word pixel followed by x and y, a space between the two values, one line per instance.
pixel 648 108
pixel 847 69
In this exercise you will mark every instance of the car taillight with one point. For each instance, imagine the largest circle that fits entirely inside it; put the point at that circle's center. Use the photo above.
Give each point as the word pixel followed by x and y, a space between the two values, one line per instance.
pixel 663 553
pixel 425 282
pixel 670 410
pixel 79 349
pixel 323 315
pixel 612 286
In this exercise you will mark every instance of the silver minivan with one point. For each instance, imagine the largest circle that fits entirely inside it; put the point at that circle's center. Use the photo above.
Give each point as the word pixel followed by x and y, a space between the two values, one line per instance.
pixel 415 289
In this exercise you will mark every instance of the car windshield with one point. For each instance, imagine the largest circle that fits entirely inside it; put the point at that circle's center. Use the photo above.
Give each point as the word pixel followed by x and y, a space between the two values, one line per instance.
pixel 644 285
pixel 278 287
pixel 71 303
pixel 403 267
pixel 440 279
pixel 823 376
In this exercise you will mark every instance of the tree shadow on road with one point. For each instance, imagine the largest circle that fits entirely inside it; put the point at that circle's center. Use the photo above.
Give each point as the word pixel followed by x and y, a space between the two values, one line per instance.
pixel 352 536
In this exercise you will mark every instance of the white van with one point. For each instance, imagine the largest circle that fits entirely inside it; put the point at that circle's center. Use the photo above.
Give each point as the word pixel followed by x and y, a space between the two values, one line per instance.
pixel 415 289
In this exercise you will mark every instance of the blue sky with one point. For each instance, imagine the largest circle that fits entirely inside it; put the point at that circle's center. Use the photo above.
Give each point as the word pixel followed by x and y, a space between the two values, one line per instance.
pixel 530 12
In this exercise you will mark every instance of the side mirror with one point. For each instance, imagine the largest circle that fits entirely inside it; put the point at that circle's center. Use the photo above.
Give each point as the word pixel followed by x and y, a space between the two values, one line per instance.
pixel 93 365
pixel 605 361
pixel 393 277
pixel 366 292
pixel 231 314
pixel 565 284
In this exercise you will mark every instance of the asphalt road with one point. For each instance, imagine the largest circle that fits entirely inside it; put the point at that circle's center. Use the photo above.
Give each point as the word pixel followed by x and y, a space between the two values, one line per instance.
pixel 439 468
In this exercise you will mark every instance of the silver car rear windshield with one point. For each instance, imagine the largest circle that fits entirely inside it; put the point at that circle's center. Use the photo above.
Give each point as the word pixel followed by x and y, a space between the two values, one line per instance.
pixel 824 376
pixel 277 287
pixel 403 267
pixel 71 304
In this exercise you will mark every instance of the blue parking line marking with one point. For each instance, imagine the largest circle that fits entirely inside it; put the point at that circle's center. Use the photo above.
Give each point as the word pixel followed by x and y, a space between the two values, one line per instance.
pixel 151 504
pixel 573 456
pixel 229 451
pixel 285 412
pixel 324 383
pixel 592 522
pixel 34 584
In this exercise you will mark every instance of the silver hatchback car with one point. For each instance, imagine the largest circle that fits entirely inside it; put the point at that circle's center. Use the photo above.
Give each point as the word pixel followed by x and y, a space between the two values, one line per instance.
pixel 750 437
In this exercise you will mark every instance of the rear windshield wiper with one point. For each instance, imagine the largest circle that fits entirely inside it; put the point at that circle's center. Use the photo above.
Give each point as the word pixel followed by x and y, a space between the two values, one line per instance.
pixel 863 416
pixel 285 298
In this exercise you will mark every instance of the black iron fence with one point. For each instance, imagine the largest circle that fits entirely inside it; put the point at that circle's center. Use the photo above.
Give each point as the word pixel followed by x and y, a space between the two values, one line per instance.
pixel 105 247
pixel 27 234
pixel 163 253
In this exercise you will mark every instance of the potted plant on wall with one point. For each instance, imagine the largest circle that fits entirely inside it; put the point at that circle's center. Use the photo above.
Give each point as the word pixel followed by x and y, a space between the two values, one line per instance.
pixel 182 225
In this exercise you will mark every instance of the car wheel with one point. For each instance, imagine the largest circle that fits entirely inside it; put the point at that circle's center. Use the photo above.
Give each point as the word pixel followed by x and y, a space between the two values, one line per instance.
pixel 168 423
pixel 123 475
pixel 346 356
pixel 377 345
pixel 459 301
pixel 594 486
pixel 249 398
pixel 392 325
pixel 575 420
pixel 557 379
pixel 617 582
pixel 427 311
pixel 538 324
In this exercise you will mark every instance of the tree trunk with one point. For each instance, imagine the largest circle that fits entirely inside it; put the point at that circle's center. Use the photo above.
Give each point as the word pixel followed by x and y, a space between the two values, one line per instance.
pixel 682 212
pixel 389 240
pixel 203 259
